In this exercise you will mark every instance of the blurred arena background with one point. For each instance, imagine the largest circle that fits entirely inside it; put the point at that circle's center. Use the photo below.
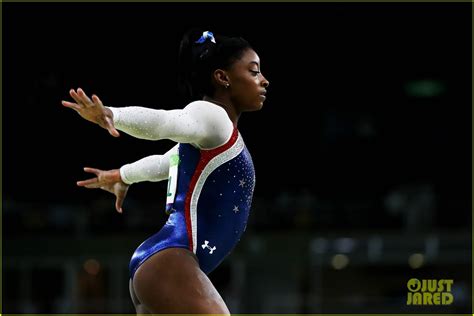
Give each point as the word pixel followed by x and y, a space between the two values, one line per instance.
pixel 362 153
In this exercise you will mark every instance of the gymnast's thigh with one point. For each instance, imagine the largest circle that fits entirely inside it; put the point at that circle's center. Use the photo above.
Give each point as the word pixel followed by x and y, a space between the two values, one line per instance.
pixel 139 307
pixel 170 281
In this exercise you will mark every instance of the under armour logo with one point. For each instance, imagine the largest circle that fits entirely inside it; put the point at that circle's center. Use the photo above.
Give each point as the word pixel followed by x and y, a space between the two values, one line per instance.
pixel 206 245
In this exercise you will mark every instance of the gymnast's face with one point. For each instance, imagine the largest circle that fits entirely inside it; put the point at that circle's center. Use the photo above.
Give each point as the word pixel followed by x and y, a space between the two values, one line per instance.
pixel 247 85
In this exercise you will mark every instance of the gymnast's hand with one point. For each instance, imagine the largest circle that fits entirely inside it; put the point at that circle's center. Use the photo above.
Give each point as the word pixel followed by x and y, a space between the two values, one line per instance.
pixel 92 110
pixel 108 180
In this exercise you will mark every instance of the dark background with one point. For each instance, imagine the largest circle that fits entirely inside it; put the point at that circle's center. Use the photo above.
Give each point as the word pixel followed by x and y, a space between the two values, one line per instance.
pixel 366 132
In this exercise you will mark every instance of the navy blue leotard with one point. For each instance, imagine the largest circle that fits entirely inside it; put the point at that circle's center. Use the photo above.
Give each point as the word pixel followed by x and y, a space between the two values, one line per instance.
pixel 210 210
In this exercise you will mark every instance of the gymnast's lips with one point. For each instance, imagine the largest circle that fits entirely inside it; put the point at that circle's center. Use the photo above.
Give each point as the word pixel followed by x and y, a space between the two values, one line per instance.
pixel 262 94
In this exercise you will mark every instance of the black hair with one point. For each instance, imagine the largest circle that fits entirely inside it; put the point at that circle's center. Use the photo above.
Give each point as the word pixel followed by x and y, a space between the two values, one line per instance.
pixel 197 61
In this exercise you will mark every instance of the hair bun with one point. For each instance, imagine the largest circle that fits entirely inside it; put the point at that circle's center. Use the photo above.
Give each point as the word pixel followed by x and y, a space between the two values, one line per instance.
pixel 206 35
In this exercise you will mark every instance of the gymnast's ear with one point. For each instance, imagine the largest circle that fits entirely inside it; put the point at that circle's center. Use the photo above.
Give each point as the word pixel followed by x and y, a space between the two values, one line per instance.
pixel 220 78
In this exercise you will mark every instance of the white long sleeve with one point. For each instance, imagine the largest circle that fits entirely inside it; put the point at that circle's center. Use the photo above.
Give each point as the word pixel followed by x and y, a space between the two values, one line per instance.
pixel 202 123
pixel 152 168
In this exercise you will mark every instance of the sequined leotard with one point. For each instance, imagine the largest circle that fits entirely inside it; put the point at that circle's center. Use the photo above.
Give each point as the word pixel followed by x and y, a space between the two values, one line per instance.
pixel 211 192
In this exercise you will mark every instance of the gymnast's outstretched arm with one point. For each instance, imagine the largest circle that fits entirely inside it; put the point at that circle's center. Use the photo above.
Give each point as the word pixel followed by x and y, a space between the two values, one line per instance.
pixel 203 124
pixel 117 181
pixel 152 168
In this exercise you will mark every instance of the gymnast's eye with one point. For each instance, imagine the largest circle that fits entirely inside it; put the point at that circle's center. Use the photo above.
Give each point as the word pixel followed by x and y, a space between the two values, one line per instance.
pixel 255 72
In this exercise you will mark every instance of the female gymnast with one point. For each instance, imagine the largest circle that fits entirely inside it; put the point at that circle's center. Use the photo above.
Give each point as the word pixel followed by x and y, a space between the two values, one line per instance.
pixel 210 172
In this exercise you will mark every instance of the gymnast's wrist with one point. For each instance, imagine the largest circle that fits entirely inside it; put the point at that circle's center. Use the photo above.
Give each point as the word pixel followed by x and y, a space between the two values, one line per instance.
pixel 115 114
pixel 122 175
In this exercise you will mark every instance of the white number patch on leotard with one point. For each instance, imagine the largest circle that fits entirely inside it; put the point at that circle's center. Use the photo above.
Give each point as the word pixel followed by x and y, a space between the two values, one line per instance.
pixel 172 179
